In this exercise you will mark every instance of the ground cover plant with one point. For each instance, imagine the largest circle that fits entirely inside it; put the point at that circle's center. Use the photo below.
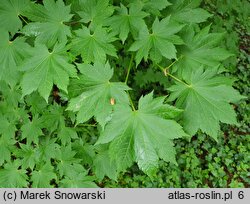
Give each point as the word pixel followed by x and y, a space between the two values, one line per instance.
pixel 107 93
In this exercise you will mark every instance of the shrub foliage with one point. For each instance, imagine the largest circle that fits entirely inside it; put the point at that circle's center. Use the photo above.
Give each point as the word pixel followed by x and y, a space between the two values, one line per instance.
pixel 72 99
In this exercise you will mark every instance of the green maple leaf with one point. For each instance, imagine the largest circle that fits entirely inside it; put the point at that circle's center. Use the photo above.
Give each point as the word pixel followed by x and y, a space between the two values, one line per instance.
pixel 11 95
pixel 159 43
pixel 102 166
pixel 205 101
pixel 31 131
pixel 93 47
pixel 53 118
pixel 202 50
pixel 79 182
pixel 84 150
pixel 36 103
pixel 12 54
pixel 11 176
pixel 65 159
pixel 151 6
pixel 50 18
pixel 186 11
pixel 10 10
pixel 42 177
pixel 96 93
pixel 144 135
pixel 5 152
pixel 28 156
pixel 77 179
pixel 66 134
pixel 47 149
pixel 124 22
pixel 95 11
pixel 7 127
pixel 46 68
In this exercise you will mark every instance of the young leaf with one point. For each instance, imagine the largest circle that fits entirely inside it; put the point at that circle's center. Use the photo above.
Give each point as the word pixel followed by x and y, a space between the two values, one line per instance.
pixel 53 118
pixel 151 6
pixel 5 151
pixel 48 149
pixel 205 102
pixel 7 128
pixel 143 135
pixel 50 18
pixel 77 179
pixel 98 90
pixel 81 181
pixel 42 176
pixel 11 176
pixel 103 166
pixel 125 22
pixel 10 10
pixel 46 68
pixel 36 103
pixel 203 50
pixel 159 43
pixel 29 156
pixel 95 11
pixel 84 150
pixel 66 134
pixel 31 130
pixel 65 159
pixel 12 53
pixel 93 47
pixel 186 11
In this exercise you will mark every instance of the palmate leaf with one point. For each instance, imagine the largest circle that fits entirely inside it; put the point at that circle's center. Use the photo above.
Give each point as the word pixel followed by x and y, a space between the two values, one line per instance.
pixel 96 93
pixel 31 131
pixel 103 166
pixel 11 54
pixel 42 176
pixel 10 10
pixel 7 127
pixel 95 11
pixel 81 181
pixel 205 101
pixel 186 11
pixel 84 150
pixel 11 176
pixel 49 22
pixel 66 159
pixel 151 6
pixel 47 149
pixel 71 170
pixel 78 178
pixel 202 50
pixel 46 68
pixel 28 156
pixel 53 118
pixel 159 43
pixel 124 22
pixel 93 47
pixel 144 135
pixel 66 134
pixel 5 152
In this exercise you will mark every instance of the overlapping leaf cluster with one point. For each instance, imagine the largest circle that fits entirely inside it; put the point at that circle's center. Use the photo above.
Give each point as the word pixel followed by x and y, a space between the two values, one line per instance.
pixel 57 85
